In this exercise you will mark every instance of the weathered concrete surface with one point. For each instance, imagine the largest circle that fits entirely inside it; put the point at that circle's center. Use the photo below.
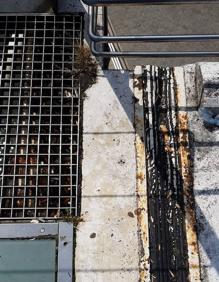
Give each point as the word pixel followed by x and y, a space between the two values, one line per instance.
pixel 206 181
pixel 207 87
pixel 107 240
pixel 166 19
pixel 207 79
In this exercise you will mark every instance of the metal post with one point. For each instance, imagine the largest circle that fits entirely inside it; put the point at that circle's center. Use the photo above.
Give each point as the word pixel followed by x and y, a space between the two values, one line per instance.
pixel 105 33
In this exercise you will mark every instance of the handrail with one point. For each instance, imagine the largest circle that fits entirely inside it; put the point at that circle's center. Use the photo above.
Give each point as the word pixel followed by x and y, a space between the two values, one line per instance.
pixel 157 54
pixel 147 38
pixel 144 38
pixel 145 2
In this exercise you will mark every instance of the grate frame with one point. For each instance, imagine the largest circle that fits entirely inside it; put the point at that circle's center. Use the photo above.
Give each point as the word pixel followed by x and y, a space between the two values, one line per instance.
pixel 62 232
pixel 39 115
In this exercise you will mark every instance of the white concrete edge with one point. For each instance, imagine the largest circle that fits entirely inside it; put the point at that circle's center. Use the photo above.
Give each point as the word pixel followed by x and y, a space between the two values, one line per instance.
pixel 141 183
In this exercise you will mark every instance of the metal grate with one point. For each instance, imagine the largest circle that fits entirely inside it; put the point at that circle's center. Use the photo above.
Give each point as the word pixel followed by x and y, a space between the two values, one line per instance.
pixel 39 115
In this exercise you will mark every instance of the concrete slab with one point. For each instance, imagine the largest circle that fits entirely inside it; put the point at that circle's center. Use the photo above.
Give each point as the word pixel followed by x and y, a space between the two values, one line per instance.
pixel 107 240
pixel 206 180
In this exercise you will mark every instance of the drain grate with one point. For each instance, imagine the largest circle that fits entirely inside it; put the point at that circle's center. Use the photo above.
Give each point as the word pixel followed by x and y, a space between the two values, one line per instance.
pixel 39 115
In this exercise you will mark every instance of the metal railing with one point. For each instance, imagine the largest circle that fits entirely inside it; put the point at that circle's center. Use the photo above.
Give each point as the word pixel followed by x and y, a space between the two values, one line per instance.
pixel 106 39
pixel 144 2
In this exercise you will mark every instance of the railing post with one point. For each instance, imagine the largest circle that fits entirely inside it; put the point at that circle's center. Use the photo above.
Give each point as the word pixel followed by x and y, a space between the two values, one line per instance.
pixel 105 33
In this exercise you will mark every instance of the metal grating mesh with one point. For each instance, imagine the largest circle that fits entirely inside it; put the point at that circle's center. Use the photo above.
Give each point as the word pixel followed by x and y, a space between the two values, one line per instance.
pixel 39 115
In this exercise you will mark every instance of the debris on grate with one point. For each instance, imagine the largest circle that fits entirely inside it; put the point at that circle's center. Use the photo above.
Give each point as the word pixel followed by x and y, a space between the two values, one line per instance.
pixel 39 116
pixel 86 67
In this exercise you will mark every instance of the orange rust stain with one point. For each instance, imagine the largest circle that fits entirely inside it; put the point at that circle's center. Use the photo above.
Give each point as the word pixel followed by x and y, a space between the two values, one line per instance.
pixel 140 149
pixel 141 211
pixel 166 136
pixel 140 176
pixel 138 211
pixel 185 158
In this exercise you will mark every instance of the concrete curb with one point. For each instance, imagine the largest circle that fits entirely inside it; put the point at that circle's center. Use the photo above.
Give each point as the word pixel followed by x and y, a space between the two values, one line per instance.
pixel 141 187
pixel 192 241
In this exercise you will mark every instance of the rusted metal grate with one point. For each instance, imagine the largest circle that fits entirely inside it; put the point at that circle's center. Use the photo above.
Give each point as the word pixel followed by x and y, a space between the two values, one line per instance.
pixel 39 115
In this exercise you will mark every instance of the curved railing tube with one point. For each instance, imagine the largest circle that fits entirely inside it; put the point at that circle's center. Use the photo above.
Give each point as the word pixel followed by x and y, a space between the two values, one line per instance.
pixel 144 38
pixel 157 54
pixel 145 2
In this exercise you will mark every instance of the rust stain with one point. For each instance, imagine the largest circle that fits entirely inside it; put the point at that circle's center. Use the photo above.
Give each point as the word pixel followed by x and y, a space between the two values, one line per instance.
pixel 141 176
pixel 141 210
pixel 186 172
pixel 166 138
pixel 138 211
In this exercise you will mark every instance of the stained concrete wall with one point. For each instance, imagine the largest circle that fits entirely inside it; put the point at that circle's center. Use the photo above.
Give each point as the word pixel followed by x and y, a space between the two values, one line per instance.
pixel 107 240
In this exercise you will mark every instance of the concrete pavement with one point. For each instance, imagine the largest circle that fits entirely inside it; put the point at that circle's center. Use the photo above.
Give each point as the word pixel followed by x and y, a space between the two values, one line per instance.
pixel 180 19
